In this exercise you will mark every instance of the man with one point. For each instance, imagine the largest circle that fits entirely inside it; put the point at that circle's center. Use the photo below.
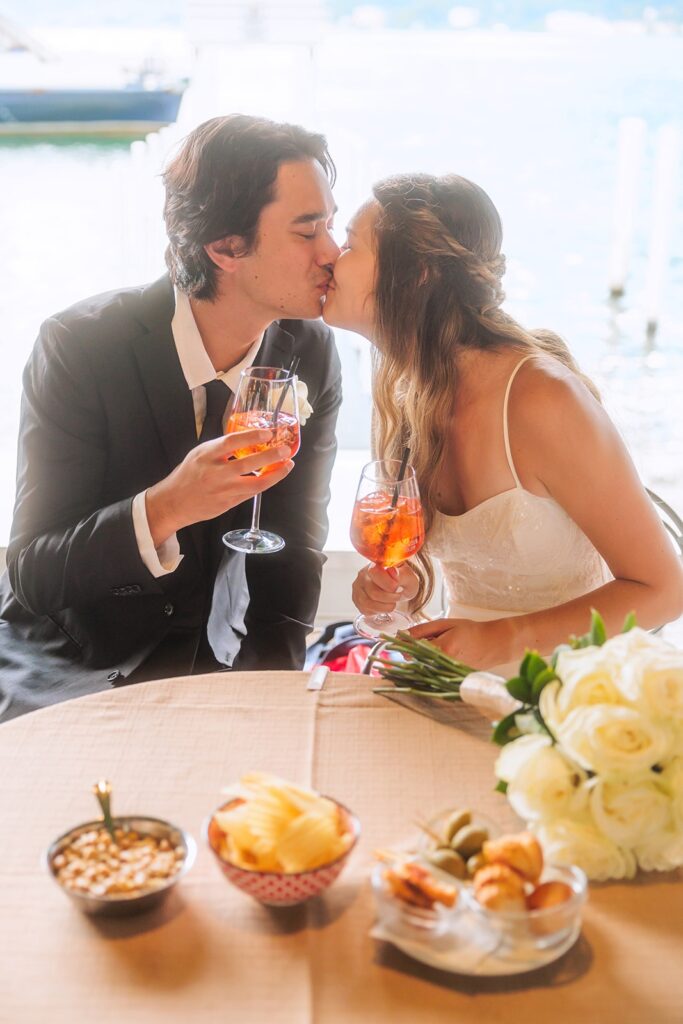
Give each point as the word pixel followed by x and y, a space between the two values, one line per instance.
pixel 115 568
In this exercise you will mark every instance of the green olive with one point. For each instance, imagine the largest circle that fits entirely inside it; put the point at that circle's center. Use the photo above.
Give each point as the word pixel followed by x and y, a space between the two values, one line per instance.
pixel 456 821
pixel 469 840
pixel 476 861
pixel 449 861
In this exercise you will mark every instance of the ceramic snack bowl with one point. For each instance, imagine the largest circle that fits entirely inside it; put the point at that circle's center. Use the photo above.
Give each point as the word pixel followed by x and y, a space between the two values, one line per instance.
pixel 539 929
pixel 278 888
pixel 137 901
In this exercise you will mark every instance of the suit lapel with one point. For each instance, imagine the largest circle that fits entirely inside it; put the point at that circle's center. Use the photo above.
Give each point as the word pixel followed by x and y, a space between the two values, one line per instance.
pixel 276 349
pixel 167 392
pixel 169 397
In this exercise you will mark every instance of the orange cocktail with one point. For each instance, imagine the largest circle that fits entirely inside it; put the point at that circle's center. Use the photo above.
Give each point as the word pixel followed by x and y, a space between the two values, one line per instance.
pixel 384 534
pixel 285 433
pixel 387 527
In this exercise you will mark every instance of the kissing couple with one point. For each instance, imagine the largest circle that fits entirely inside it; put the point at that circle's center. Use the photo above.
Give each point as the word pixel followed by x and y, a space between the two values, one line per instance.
pixel 127 482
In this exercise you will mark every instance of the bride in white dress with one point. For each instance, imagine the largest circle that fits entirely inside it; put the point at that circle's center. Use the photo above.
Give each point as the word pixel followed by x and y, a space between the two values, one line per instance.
pixel 532 504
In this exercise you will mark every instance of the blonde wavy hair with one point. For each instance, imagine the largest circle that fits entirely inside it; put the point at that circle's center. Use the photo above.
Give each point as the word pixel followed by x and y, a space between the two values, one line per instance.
pixel 437 287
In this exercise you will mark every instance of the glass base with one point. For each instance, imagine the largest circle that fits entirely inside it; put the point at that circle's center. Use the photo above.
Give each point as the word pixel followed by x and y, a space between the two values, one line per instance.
pixel 253 542
pixel 372 626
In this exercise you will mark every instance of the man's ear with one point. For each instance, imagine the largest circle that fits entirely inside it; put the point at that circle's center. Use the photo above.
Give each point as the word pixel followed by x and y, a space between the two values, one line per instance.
pixel 225 252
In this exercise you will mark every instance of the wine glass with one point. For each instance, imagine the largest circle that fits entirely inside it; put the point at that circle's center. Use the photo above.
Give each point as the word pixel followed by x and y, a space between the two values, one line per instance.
pixel 387 527
pixel 265 400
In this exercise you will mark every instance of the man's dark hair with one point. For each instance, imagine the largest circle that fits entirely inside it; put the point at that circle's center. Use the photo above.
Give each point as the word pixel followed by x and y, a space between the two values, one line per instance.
pixel 219 183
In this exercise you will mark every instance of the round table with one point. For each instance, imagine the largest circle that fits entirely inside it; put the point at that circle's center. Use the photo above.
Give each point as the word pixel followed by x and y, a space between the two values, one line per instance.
pixel 210 953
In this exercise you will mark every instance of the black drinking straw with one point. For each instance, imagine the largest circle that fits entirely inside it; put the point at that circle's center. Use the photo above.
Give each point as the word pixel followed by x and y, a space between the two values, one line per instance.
pixel 401 474
pixel 293 366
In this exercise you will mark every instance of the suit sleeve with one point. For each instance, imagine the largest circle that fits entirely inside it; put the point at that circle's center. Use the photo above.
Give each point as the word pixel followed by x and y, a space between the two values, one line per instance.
pixel 67 548
pixel 284 588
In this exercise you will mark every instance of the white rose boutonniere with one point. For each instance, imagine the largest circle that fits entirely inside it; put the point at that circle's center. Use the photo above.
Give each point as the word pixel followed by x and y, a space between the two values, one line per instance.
pixel 305 407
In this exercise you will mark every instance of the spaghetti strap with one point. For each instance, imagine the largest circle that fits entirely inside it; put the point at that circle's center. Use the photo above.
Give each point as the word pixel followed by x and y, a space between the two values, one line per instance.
pixel 506 435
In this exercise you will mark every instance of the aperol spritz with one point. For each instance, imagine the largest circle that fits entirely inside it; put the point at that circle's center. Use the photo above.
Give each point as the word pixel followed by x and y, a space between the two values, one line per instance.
pixel 387 527
pixel 266 399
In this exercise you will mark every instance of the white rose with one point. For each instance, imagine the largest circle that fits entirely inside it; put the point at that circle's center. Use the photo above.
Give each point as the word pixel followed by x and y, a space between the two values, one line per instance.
pixel 613 740
pixel 542 783
pixel 662 851
pixel 629 812
pixel 653 680
pixel 579 842
pixel 305 408
pixel 671 781
pixel 589 676
pixel 623 646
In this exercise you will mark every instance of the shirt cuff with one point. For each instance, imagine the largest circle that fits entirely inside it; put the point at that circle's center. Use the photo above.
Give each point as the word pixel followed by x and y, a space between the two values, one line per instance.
pixel 162 560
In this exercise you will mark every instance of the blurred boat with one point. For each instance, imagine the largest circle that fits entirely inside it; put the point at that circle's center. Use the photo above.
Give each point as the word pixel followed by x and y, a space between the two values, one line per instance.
pixel 43 95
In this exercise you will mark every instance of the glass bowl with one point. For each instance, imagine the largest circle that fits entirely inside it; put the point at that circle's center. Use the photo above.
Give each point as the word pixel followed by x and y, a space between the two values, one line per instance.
pixel 120 904
pixel 398 916
pixel 538 929
pixel 278 888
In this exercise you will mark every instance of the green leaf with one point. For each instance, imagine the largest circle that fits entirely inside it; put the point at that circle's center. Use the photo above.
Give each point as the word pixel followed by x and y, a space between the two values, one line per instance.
pixel 524 665
pixel 500 787
pixel 541 680
pixel 519 689
pixel 629 622
pixel 535 665
pixel 598 633
pixel 506 730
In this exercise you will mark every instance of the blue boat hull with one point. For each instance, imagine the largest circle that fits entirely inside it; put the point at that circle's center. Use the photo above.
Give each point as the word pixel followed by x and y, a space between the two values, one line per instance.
pixel 114 111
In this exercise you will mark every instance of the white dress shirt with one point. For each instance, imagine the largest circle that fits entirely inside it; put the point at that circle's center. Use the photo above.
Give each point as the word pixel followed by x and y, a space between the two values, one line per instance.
pixel 198 370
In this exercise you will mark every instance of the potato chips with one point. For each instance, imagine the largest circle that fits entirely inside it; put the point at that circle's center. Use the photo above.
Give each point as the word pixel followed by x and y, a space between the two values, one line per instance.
pixel 273 825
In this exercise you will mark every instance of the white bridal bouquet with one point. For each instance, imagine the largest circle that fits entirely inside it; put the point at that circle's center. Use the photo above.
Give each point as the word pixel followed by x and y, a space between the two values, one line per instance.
pixel 592 739
pixel 593 757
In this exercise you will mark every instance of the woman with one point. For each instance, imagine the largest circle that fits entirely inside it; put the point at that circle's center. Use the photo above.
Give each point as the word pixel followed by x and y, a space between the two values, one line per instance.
pixel 532 504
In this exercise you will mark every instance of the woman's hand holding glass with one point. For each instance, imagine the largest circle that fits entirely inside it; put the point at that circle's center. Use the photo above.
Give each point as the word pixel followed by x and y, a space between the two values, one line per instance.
pixel 387 527
pixel 382 590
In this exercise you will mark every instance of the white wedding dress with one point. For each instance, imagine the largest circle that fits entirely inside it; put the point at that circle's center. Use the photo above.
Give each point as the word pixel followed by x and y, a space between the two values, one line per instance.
pixel 514 553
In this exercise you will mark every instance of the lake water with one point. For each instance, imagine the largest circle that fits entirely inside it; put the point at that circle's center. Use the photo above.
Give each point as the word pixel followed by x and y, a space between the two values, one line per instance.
pixel 533 118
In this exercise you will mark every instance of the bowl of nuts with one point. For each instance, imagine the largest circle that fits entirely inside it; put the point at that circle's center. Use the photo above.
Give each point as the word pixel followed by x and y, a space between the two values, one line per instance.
pixel 119 866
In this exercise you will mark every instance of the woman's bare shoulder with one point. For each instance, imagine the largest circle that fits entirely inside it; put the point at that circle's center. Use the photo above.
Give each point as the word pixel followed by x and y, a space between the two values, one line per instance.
pixel 544 382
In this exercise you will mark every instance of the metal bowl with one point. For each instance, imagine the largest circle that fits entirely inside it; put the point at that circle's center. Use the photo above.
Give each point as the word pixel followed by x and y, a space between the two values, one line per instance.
pixel 123 905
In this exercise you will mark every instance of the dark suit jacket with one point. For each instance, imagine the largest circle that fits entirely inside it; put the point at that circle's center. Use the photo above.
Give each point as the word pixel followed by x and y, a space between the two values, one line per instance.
pixel 106 412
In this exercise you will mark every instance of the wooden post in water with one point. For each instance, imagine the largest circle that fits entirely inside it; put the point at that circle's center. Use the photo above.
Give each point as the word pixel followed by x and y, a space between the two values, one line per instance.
pixel 629 162
pixel 665 192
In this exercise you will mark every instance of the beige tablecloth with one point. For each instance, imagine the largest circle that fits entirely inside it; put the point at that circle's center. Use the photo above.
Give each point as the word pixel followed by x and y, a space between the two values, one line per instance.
pixel 211 954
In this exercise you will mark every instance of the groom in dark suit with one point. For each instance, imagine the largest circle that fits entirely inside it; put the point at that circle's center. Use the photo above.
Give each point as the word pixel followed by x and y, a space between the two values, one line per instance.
pixel 115 569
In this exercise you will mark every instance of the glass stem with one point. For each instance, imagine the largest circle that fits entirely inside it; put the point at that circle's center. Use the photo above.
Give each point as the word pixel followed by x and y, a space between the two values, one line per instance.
pixel 381 617
pixel 254 530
